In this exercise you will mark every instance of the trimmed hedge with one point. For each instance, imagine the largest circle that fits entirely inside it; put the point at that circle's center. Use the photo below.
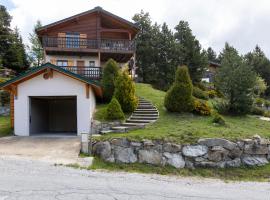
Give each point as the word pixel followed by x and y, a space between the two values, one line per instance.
pixel 114 111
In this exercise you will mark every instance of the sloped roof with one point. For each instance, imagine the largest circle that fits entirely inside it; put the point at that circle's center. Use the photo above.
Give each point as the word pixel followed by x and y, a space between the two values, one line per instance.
pixel 35 71
pixel 96 9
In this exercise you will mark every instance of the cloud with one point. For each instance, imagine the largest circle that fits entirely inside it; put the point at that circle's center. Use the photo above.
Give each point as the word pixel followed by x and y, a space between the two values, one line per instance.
pixel 242 23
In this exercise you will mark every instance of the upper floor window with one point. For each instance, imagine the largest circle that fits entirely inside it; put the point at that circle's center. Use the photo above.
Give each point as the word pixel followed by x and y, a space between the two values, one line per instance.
pixel 92 63
pixel 62 63
pixel 72 40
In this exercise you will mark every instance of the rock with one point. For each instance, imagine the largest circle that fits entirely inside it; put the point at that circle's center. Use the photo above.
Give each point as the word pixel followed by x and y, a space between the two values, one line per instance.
pixel 233 163
pixel 136 144
pixel 254 160
pixel 210 164
pixel 102 149
pixel 210 142
pixel 256 149
pixel 217 154
pixel 200 159
pixel 123 142
pixel 148 144
pixel 240 144
pixel 189 164
pixel 248 141
pixel 150 157
pixel 194 150
pixel 173 148
pixel 124 155
pixel 175 160
pixel 235 153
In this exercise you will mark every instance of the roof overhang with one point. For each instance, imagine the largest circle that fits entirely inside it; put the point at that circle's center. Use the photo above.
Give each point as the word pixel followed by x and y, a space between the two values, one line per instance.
pixel 35 71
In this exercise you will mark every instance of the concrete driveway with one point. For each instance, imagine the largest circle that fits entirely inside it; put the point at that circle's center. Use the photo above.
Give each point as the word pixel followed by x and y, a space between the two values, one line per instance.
pixel 52 149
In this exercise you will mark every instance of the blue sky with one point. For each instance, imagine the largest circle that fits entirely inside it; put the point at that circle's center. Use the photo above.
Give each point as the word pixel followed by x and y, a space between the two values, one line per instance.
pixel 242 23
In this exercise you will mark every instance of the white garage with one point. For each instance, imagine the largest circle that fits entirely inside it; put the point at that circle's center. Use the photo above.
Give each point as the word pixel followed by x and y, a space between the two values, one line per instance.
pixel 51 100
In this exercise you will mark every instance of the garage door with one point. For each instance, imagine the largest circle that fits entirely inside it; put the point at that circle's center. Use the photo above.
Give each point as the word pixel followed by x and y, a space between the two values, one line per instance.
pixel 53 115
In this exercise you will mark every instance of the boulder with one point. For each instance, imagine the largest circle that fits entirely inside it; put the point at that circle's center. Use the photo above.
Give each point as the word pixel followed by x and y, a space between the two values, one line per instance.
pixel 217 154
pixel 172 148
pixel 136 144
pixel 123 142
pixel 254 160
pixel 194 150
pixel 148 144
pixel 256 149
pixel 150 157
pixel 124 155
pixel 210 164
pixel 175 160
pixel 210 142
pixel 233 163
pixel 102 149
pixel 235 153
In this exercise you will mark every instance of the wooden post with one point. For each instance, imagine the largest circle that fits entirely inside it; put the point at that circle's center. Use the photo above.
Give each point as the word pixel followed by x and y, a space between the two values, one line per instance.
pixel 99 57
pixel 11 109
pixel 87 88
pixel 129 35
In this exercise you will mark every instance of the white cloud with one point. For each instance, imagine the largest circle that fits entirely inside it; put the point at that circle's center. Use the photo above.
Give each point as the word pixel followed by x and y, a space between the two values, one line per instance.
pixel 243 23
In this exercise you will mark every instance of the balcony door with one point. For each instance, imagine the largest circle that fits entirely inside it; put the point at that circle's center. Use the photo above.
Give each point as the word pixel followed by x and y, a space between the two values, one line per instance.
pixel 80 67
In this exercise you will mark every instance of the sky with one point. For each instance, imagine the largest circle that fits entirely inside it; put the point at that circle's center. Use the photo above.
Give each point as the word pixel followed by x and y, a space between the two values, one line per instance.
pixel 242 23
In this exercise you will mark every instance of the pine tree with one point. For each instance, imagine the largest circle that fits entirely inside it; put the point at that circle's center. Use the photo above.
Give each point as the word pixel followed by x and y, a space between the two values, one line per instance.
pixel 109 75
pixel 179 96
pixel 36 55
pixel 114 110
pixel 236 80
pixel 190 52
pixel 211 54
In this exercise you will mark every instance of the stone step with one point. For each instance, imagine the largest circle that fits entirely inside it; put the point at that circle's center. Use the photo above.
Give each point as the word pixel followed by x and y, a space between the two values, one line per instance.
pixel 146 109
pixel 120 129
pixel 103 132
pixel 138 125
pixel 143 117
pixel 140 121
pixel 145 105
pixel 145 114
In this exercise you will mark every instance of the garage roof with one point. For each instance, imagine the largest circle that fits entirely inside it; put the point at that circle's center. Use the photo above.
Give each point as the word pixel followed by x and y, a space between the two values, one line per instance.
pixel 34 71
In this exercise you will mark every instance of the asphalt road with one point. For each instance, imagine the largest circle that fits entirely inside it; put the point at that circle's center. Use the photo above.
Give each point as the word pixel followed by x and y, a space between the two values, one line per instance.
pixel 27 180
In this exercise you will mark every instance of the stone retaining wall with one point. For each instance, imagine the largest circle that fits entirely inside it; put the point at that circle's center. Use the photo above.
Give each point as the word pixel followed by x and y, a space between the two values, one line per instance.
pixel 212 152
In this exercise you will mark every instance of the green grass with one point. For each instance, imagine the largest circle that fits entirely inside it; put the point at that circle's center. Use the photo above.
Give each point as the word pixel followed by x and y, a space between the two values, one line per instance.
pixel 188 128
pixel 230 174
pixel 5 128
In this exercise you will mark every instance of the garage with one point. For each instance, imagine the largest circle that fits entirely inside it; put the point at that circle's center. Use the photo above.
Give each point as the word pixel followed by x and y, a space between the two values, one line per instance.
pixel 53 115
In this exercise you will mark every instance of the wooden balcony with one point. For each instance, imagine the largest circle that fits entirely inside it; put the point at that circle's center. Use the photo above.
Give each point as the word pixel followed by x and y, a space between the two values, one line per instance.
pixel 76 44
pixel 93 73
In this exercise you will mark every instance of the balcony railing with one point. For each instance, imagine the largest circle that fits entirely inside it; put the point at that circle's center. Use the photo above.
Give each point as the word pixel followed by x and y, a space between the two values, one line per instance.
pixel 85 71
pixel 81 43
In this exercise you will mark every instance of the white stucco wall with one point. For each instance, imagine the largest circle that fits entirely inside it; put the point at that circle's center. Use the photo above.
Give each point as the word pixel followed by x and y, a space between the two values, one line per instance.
pixel 59 85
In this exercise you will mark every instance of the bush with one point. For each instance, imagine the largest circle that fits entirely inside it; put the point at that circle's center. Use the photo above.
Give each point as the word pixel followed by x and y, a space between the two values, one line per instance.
pixel 114 110
pixel 109 74
pixel 221 106
pixel 212 94
pixel 125 92
pixel 200 94
pixel 201 86
pixel 266 114
pixel 255 110
pixel 179 96
pixel 218 119
pixel 201 107
pixel 259 102
pixel 267 103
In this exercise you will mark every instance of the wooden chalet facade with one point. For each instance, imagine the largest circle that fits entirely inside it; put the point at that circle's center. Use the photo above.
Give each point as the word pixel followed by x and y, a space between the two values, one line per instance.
pixel 84 42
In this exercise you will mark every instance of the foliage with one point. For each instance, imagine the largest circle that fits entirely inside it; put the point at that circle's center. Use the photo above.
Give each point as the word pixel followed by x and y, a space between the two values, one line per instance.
pixel 12 50
pixel 109 75
pixel 4 98
pixel 218 119
pixel 211 55
pixel 114 110
pixel 267 103
pixel 236 80
pixel 221 105
pixel 200 94
pixel 266 114
pixel 259 102
pixel 257 110
pixel 125 92
pixel 201 107
pixel 189 51
pixel 212 94
pixel 260 64
pixel 260 86
pixel 179 96
pixel 5 128
pixel 35 54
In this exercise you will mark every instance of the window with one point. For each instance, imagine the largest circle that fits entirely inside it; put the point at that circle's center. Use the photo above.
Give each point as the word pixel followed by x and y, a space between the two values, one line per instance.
pixel 92 63
pixel 62 63
pixel 73 40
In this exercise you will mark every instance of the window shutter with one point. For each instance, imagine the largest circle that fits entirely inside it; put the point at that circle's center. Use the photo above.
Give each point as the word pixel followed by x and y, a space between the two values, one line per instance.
pixel 83 40
pixel 53 61
pixel 70 63
pixel 61 40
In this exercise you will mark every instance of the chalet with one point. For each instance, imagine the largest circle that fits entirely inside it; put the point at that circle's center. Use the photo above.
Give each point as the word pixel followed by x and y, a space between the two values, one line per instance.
pixel 60 95
pixel 211 72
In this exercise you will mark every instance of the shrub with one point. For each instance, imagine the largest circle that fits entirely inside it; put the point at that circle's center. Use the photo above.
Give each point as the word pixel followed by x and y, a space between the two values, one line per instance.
pixel 212 94
pixel 200 94
pixel 114 110
pixel 201 107
pixel 109 74
pixel 266 114
pixel 179 96
pixel 201 86
pixel 125 92
pixel 259 102
pixel 221 105
pixel 267 103
pixel 218 119
pixel 255 110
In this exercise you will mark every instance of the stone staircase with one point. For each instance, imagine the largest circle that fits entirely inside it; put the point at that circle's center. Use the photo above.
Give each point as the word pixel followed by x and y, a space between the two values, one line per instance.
pixel 144 114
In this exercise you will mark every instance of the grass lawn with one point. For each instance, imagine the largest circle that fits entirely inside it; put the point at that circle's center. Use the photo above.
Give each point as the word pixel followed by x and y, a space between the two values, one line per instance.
pixel 228 174
pixel 188 128
pixel 5 128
